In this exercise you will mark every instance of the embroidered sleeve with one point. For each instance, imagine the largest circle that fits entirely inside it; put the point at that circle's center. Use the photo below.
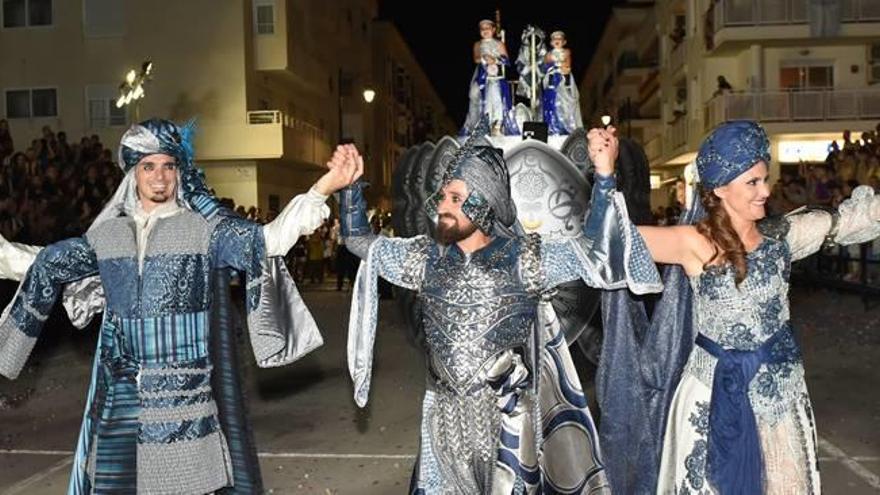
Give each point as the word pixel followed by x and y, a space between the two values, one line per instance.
pixel 23 319
pixel 609 255
pixel 858 220
pixel 280 326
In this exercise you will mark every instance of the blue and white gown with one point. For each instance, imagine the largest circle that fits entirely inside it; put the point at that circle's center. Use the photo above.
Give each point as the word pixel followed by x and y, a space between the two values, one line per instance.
pixel 560 100
pixel 489 93
pixel 744 319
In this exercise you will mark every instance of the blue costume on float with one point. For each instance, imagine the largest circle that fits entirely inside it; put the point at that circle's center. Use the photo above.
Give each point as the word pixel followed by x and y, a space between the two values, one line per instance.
pixel 560 100
pixel 164 411
pixel 489 92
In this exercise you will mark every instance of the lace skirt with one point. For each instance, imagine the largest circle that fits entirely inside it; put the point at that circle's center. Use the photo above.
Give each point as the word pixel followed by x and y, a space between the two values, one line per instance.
pixel 788 446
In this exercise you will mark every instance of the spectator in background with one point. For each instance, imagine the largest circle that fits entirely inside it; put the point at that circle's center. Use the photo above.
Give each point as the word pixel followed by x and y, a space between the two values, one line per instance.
pixel 723 87
pixel 315 266
pixel 820 186
pixel 62 149
pixel 7 147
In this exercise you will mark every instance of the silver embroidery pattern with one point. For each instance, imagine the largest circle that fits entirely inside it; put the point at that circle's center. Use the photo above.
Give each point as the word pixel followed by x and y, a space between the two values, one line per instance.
pixel 744 318
pixel 475 307
pixel 473 310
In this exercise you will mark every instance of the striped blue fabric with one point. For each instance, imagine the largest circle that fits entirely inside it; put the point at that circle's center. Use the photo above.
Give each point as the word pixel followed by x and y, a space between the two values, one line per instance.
pixel 115 469
pixel 166 339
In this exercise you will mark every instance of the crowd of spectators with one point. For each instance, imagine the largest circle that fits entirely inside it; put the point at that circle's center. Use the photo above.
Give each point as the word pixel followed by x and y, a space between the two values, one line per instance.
pixel 850 163
pixel 53 189
pixel 50 188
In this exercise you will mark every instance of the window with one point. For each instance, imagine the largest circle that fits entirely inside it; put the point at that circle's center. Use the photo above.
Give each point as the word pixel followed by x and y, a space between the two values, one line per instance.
pixel 43 103
pixel 806 76
pixel 874 63
pixel 24 13
pixel 26 103
pixel 18 104
pixel 265 17
pixel 102 109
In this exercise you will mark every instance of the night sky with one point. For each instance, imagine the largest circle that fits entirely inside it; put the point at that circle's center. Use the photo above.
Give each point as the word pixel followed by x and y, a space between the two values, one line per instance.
pixel 442 34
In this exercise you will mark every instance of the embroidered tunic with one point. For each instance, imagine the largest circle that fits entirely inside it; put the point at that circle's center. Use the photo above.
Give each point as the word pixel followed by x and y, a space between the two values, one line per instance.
pixel 152 424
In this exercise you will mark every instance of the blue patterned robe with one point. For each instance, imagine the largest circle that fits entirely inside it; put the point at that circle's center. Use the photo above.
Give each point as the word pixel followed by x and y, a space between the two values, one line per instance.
pixel 151 423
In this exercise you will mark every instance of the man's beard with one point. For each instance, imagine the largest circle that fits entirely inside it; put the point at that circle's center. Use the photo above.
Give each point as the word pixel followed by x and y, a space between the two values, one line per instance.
pixel 451 233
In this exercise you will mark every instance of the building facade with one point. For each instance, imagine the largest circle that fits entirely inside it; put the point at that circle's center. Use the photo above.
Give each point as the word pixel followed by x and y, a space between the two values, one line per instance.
pixel 805 71
pixel 407 109
pixel 274 84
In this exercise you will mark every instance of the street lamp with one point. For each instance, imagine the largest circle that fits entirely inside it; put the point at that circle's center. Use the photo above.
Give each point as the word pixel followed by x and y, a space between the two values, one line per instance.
pixel 132 87
pixel 369 94
pixel 606 119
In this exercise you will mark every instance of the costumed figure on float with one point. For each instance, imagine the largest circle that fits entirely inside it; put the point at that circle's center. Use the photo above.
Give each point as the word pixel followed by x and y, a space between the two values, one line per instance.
pixel 489 91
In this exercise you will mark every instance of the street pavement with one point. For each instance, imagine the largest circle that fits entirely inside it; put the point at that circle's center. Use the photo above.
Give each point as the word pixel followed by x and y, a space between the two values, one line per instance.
pixel 313 439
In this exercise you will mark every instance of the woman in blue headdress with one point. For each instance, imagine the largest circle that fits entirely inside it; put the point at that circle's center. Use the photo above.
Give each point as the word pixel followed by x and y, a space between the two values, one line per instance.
pixel 740 420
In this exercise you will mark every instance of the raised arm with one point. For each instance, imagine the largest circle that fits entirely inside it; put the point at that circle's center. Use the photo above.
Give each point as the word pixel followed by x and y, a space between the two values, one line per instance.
pixel 857 220
pixel 678 245
pixel 610 254
pixel 22 321
pixel 305 212
pixel 398 260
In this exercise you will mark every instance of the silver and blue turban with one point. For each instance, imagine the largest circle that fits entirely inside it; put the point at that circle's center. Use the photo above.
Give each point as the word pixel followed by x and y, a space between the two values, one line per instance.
pixel 731 149
pixel 157 136
pixel 482 167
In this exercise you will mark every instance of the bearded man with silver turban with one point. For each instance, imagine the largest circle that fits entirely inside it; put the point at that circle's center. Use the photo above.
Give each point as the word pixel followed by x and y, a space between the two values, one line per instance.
pixel 164 412
pixel 503 411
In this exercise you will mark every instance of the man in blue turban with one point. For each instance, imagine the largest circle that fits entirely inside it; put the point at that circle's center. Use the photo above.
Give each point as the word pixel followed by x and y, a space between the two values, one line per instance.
pixel 163 413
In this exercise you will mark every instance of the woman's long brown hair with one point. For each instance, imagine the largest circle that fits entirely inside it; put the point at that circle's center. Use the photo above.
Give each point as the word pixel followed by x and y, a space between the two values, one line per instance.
pixel 717 227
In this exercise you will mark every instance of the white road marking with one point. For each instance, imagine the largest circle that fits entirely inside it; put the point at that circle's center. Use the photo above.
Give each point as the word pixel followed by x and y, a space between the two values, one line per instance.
pixel 26 485
pixel 310 455
pixel 834 451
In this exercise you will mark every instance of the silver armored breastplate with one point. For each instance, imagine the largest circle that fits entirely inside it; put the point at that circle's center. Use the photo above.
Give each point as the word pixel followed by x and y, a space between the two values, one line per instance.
pixel 474 308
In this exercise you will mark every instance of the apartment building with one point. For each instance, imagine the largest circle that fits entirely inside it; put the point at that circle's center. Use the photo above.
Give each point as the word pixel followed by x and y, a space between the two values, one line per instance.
pixel 806 73
pixel 273 84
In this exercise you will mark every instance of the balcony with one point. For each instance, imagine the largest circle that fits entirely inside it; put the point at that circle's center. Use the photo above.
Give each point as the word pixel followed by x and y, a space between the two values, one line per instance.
pixel 794 106
pixel 734 20
pixel 268 134
pixel 677 134
pixel 677 57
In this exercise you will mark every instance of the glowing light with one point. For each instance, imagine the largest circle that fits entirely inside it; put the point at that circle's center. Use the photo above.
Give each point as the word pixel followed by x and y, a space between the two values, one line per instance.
pixel 795 151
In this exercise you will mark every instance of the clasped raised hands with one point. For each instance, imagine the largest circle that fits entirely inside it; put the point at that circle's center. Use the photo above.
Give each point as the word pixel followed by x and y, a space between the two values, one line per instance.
pixel 344 168
pixel 603 147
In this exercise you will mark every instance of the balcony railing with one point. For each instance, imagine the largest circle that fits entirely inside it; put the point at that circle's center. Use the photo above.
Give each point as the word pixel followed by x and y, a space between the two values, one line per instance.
pixel 677 57
pixel 794 106
pixel 732 13
pixel 278 117
pixel 677 134
pixel 296 139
